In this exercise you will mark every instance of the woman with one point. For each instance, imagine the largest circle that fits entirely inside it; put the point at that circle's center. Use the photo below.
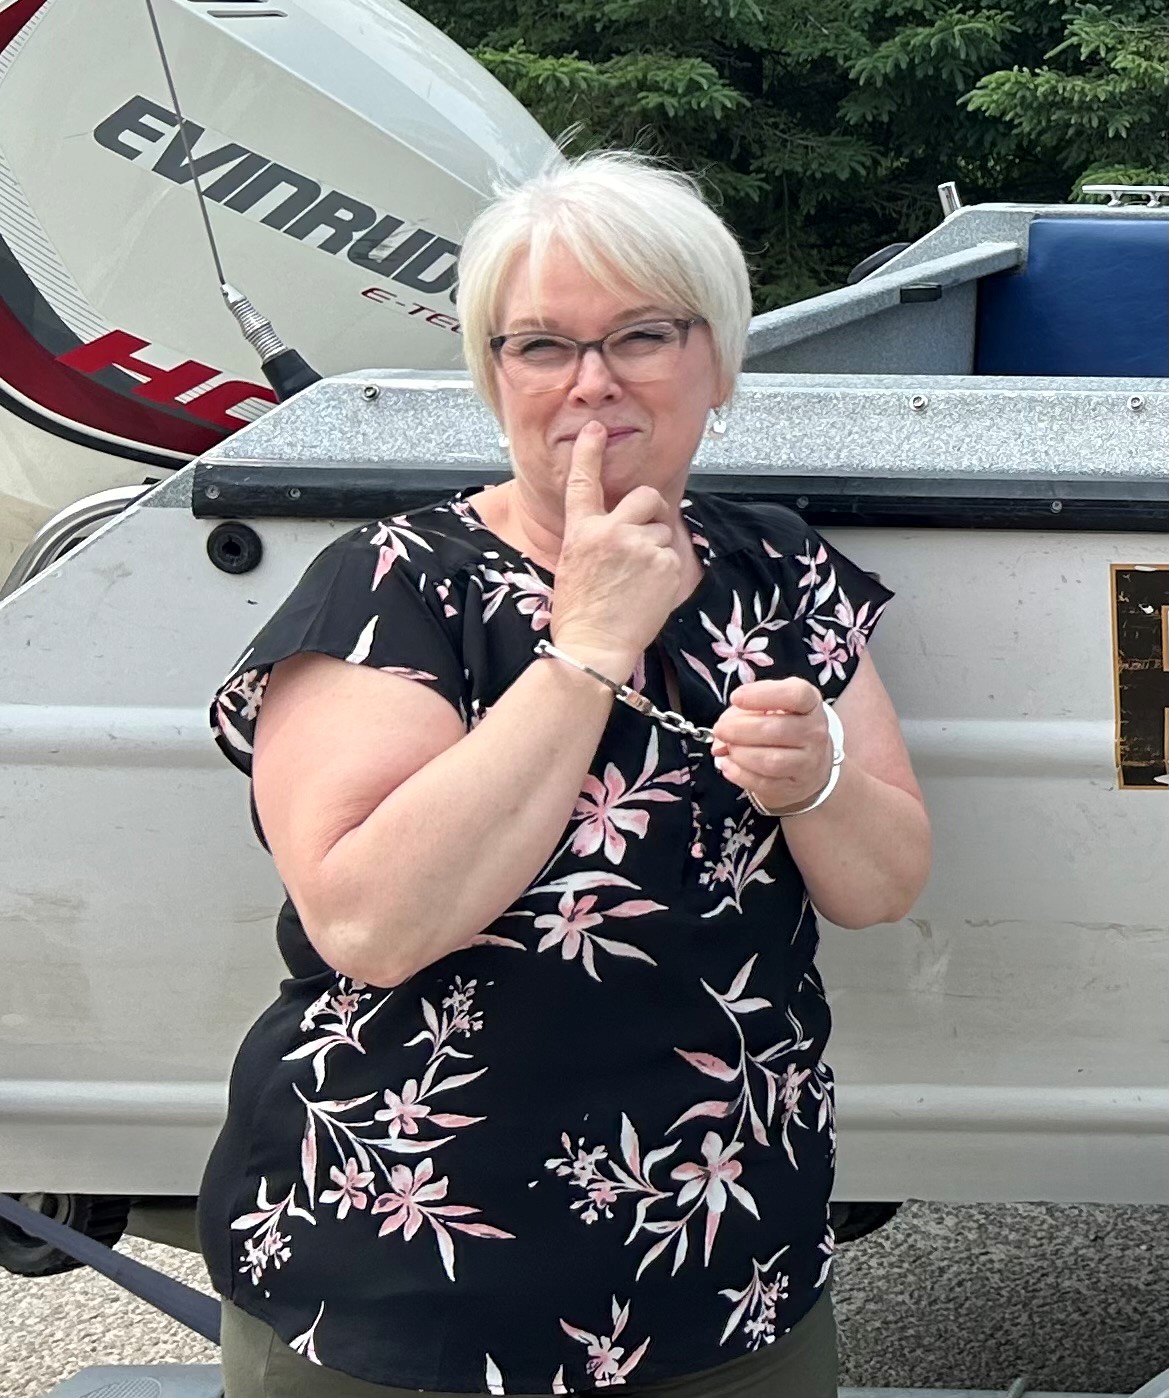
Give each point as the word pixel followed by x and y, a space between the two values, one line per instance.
pixel 542 1106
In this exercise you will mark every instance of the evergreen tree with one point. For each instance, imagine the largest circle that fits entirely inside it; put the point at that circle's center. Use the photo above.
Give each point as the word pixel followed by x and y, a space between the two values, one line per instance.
pixel 822 127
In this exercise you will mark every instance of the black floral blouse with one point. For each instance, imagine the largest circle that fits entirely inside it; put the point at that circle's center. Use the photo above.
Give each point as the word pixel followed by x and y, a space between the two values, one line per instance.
pixel 597 1145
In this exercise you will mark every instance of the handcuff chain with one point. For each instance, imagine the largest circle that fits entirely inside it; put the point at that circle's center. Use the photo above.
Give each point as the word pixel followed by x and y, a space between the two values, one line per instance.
pixel 672 722
pixel 675 723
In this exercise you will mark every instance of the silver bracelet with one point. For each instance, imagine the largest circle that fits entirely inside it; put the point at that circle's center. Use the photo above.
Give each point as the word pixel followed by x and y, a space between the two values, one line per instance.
pixel 675 723
pixel 836 734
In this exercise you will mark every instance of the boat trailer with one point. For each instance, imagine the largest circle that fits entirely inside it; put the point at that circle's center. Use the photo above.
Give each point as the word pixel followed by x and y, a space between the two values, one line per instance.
pixel 200 1314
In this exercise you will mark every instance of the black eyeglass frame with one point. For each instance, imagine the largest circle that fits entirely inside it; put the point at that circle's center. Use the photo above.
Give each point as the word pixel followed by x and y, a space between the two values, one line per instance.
pixel 682 324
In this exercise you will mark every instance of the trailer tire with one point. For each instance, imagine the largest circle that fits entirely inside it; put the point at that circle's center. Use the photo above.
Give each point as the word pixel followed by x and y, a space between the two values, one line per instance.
pixel 851 1221
pixel 99 1216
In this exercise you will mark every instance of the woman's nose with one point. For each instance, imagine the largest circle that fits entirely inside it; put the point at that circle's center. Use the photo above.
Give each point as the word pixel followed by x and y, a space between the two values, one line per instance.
pixel 594 381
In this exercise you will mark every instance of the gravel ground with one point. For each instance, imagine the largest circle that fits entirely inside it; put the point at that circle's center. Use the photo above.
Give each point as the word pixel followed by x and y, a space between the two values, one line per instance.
pixel 1075 1297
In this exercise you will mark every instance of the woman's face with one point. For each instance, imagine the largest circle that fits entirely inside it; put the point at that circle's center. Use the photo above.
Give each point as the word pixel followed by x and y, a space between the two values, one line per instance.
pixel 654 427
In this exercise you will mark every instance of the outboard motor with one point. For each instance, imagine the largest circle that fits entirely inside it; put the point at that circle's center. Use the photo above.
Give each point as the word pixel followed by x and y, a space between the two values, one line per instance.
pixel 342 146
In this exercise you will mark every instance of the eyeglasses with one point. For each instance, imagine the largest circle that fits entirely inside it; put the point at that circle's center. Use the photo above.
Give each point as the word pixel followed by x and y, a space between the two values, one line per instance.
pixel 536 362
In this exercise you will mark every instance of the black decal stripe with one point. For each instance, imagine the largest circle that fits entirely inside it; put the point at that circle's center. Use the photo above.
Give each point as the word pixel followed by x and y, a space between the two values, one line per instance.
pixel 124 452
pixel 33 337
pixel 42 323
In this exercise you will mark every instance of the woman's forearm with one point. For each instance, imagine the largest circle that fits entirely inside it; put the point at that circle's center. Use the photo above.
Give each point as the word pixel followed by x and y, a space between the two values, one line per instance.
pixel 456 844
pixel 865 853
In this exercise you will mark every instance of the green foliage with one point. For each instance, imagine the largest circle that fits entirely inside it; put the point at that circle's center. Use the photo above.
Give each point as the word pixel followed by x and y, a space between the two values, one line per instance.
pixel 1097 103
pixel 822 128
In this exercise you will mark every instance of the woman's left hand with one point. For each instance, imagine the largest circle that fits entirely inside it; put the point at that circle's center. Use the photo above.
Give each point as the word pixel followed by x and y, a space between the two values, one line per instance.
pixel 773 742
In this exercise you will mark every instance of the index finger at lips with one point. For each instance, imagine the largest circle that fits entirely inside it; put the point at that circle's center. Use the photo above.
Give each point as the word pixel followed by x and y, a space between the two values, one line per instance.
pixel 584 494
pixel 791 696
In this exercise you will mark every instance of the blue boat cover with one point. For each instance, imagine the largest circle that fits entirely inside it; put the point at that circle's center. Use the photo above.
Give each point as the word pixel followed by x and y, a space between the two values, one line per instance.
pixel 1092 300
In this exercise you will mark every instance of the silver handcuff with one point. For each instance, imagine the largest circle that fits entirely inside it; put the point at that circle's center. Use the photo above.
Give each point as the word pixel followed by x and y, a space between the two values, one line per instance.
pixel 675 723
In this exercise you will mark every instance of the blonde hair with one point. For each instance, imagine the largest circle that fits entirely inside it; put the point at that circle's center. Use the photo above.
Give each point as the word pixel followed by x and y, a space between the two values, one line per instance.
pixel 625 219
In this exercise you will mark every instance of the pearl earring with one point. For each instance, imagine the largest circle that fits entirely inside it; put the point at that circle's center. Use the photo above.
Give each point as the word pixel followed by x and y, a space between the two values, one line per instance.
pixel 503 442
pixel 718 422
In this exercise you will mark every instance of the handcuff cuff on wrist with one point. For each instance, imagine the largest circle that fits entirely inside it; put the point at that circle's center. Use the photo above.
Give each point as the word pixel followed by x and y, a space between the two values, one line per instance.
pixel 675 723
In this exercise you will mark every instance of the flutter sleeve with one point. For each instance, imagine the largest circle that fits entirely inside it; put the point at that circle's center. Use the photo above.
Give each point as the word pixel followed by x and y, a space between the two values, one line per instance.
pixel 834 603
pixel 358 601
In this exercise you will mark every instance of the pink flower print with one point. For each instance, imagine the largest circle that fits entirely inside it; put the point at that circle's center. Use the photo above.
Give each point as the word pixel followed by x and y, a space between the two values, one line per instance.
pixel 812 562
pixel 605 808
pixel 827 651
pixel 738 654
pixel 315 1010
pixel 463 1019
pixel 306 1343
pixel 268 1243
pixel 855 635
pixel 603 1193
pixel 584 1167
pixel 828 1248
pixel 570 927
pixel 791 1087
pixel 351 1186
pixel 604 1359
pixel 276 1246
pixel 255 1260
pixel 403 1111
pixel 713 1180
pixel 757 1301
pixel 404 1205
pixel 566 925
pixel 345 1005
pixel 606 1362
pixel 388 538
pixel 535 598
pixel 722 872
pixel 443 589
pixel 412 1201
pixel 603 818
pixel 252 690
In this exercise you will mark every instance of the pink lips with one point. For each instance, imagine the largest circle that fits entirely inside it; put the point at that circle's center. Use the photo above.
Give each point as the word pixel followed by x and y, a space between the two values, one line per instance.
pixel 616 434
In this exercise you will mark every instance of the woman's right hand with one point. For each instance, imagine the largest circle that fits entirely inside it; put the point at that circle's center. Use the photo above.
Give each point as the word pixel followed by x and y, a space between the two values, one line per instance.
pixel 618 574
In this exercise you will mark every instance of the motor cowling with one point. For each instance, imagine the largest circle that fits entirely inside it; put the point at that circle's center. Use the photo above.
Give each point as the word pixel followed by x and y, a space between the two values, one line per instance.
pixel 343 148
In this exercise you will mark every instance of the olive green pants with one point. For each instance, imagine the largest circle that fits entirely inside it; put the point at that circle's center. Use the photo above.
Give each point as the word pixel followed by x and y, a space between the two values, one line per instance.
pixel 257 1364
